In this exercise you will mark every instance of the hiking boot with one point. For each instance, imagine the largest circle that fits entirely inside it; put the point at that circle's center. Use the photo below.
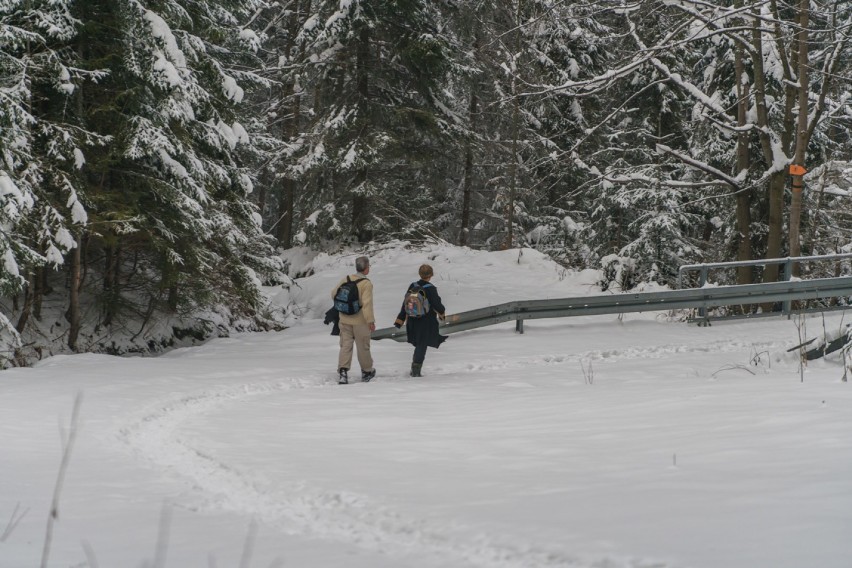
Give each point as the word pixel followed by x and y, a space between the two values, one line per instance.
pixel 342 376
pixel 366 376
pixel 415 369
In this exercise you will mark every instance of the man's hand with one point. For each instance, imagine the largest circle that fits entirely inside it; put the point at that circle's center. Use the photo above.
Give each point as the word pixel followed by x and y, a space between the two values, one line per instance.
pixel 372 327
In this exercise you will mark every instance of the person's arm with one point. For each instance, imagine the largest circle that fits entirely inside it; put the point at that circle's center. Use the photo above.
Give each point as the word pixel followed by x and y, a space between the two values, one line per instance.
pixel 366 295
pixel 435 301
pixel 400 318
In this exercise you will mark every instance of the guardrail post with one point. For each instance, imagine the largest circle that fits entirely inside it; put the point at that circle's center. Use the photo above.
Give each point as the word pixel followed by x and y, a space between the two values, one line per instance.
pixel 519 325
pixel 702 280
pixel 786 305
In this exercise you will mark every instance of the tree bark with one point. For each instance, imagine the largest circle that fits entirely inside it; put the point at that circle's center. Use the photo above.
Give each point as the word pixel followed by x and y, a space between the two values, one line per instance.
pixel 464 232
pixel 74 294
pixel 513 159
pixel 743 199
pixel 27 308
pixel 776 223
pixel 362 66
pixel 110 279
pixel 775 188
pixel 801 132
pixel 286 201
pixel 39 290
pixel 285 213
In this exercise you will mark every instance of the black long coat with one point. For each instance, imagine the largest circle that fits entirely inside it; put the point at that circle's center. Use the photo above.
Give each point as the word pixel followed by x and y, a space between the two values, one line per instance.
pixel 424 330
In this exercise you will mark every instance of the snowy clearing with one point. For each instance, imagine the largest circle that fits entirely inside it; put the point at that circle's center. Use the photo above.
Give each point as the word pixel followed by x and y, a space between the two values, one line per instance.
pixel 586 442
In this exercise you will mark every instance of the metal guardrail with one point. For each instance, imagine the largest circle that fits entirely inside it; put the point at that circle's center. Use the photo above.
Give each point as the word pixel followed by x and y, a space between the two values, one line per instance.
pixel 788 262
pixel 709 297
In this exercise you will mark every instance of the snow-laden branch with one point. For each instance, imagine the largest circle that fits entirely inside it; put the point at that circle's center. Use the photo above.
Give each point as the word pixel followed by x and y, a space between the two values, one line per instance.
pixel 703 166
pixel 678 79
pixel 829 68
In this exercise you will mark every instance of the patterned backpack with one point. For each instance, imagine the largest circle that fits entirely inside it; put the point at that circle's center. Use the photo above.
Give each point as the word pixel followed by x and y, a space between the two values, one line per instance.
pixel 416 303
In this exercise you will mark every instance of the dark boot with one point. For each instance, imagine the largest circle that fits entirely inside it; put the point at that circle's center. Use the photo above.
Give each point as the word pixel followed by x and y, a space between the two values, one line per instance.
pixel 367 376
pixel 415 369
pixel 343 376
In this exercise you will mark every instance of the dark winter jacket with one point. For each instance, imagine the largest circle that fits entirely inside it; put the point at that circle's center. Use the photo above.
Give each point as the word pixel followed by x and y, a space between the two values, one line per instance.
pixel 424 330
pixel 333 316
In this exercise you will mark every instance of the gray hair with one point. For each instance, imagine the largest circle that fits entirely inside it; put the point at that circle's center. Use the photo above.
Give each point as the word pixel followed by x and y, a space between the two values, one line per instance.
pixel 361 263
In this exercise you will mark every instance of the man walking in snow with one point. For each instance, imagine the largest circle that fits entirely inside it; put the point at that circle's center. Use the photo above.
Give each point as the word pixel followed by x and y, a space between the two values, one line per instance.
pixel 355 328
pixel 420 311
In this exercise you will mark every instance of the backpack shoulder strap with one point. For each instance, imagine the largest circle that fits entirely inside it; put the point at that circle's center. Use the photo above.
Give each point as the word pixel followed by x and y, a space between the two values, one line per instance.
pixel 427 285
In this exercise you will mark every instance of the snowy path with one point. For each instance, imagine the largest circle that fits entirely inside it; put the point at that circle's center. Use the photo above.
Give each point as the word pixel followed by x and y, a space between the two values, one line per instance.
pixel 341 515
pixel 592 443
pixel 175 436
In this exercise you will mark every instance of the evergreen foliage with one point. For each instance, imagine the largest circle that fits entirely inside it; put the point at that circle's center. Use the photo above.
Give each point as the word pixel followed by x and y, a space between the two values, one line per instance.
pixel 153 152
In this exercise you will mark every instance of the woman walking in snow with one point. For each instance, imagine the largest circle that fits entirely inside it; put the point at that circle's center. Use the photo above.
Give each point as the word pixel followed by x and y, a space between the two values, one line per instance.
pixel 420 312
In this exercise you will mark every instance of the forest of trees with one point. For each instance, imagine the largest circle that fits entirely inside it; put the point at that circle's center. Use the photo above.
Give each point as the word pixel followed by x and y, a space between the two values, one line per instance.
pixel 154 154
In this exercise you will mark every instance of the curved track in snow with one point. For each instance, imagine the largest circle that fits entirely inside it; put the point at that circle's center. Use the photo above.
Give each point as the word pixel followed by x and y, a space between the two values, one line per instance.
pixel 155 435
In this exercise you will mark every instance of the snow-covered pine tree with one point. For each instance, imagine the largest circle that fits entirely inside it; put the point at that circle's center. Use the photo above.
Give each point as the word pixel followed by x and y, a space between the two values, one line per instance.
pixel 638 191
pixel 786 59
pixel 41 152
pixel 505 53
pixel 160 221
pixel 171 198
pixel 377 118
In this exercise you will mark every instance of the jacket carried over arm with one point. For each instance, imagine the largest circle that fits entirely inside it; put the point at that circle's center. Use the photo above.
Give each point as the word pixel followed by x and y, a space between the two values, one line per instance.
pixel 424 330
pixel 365 297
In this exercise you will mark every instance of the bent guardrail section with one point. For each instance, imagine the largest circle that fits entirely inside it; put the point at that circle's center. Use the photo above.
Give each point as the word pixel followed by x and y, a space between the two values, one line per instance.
pixel 637 302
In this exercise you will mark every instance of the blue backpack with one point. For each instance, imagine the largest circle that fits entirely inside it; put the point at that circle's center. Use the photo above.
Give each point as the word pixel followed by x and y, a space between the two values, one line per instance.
pixel 346 300
pixel 416 304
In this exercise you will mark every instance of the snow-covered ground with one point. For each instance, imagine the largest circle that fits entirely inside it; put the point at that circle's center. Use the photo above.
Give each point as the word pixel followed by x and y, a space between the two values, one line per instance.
pixel 586 442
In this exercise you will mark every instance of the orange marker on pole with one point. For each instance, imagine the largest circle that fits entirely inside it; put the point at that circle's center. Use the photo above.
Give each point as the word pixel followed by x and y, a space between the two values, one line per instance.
pixel 797 170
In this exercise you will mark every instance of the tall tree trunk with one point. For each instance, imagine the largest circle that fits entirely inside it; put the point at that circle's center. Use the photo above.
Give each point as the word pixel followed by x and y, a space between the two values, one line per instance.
pixel 359 208
pixel 39 291
pixel 288 198
pixel 516 111
pixel 173 298
pixel 27 308
pixel 776 223
pixel 801 132
pixel 284 231
pixel 775 188
pixel 74 294
pixel 286 201
pixel 362 67
pixel 464 232
pixel 743 199
pixel 111 278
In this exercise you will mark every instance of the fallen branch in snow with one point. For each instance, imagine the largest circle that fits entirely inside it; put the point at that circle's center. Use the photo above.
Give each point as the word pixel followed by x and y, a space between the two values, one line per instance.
pixel 757 359
pixel 732 368
pixel 13 522
pixel 245 559
pixel 90 555
pixel 68 443
pixel 163 531
pixel 588 373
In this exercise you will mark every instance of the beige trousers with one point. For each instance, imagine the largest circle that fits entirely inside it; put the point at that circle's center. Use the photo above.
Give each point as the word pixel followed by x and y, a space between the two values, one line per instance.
pixel 360 336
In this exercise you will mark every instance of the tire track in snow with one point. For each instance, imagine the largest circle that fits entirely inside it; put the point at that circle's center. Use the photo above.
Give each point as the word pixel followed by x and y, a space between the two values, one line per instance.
pixel 344 516
pixel 616 355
